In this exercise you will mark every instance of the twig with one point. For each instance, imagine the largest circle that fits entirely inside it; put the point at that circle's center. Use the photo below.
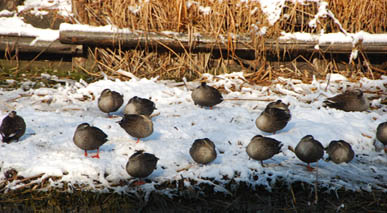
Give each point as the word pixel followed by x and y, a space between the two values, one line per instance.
pixel 247 99
pixel 154 115
pixel 185 168
pixel 30 178
pixel 315 186
pixel 293 196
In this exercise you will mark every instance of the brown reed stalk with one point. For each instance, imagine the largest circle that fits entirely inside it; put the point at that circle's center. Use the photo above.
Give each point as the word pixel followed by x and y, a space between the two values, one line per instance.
pixel 225 19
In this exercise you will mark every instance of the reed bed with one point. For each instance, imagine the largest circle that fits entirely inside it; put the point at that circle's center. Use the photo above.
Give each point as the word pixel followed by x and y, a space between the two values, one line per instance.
pixel 226 19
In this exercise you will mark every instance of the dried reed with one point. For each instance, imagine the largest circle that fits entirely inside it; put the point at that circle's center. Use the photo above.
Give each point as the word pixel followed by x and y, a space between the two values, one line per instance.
pixel 227 19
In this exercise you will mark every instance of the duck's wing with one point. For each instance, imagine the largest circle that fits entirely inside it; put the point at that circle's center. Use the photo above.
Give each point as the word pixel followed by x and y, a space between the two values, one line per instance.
pixel 279 114
pixel 98 133
pixel 147 106
pixel 118 98
pixel 8 127
pixel 338 101
pixel 215 93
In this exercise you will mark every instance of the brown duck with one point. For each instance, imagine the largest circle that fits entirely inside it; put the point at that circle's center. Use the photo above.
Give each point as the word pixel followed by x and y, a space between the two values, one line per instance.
pixel 340 151
pixel 381 134
pixel 308 150
pixel 203 151
pixel 140 106
pixel 12 127
pixel 141 164
pixel 206 96
pixel 350 100
pixel 89 137
pixel 263 148
pixel 110 101
pixel 275 117
pixel 138 126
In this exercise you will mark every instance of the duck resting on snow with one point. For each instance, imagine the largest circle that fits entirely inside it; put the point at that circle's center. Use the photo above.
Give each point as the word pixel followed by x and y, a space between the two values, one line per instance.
pixel 12 127
pixel 203 151
pixel 262 148
pixel 110 101
pixel 206 96
pixel 138 126
pixel 140 106
pixel 340 151
pixel 141 165
pixel 308 150
pixel 350 100
pixel 381 134
pixel 275 117
pixel 89 137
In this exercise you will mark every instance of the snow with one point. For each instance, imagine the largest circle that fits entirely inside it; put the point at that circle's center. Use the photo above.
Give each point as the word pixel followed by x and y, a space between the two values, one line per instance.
pixel 52 114
pixel 38 6
pixel 88 28
pixel 22 29
pixel 272 9
pixel 205 10
pixel 330 38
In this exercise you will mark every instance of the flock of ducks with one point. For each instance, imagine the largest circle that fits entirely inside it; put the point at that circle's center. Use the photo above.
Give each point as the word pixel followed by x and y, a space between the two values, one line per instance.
pixel 138 124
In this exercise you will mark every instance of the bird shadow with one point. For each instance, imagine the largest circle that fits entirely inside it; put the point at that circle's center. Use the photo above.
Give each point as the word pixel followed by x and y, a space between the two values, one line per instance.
pixel 154 136
pixel 27 134
pixel 108 147
pixel 287 128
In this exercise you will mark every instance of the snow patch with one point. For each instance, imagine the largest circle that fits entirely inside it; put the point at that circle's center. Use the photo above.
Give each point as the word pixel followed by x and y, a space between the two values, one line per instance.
pixel 47 146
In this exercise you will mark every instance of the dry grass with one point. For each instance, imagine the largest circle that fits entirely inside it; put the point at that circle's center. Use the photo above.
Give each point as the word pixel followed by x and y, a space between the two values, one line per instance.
pixel 227 18
pixel 36 193
pixel 354 16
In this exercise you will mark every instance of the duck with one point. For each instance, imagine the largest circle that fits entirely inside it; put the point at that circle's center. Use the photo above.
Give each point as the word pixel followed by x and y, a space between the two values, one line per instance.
pixel 275 117
pixel 88 137
pixel 12 127
pixel 141 164
pixel 110 101
pixel 262 148
pixel 206 96
pixel 138 126
pixel 203 151
pixel 340 152
pixel 381 134
pixel 141 106
pixel 350 100
pixel 308 150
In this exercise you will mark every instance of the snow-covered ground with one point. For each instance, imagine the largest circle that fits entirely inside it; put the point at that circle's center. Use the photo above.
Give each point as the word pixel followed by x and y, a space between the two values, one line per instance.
pixel 53 114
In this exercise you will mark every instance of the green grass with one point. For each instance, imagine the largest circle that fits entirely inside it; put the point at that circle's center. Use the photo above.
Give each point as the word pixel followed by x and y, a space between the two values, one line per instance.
pixel 22 71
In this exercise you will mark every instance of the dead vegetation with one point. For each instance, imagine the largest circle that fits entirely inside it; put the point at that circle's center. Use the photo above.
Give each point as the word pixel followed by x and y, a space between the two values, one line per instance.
pixel 35 193
pixel 242 198
pixel 225 19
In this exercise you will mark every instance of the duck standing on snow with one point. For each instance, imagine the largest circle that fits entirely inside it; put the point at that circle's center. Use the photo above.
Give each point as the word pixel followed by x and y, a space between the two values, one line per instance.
pixel 275 117
pixel 203 151
pixel 206 96
pixel 12 127
pixel 263 148
pixel 140 106
pixel 340 151
pixel 141 165
pixel 138 126
pixel 350 100
pixel 110 101
pixel 89 137
pixel 381 134
pixel 308 150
